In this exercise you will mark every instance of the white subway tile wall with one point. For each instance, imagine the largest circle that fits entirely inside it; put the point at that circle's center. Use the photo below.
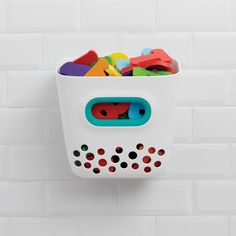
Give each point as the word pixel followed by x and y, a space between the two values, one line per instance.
pixel 102 12
pixel 183 125
pixel 37 162
pixel 191 161
pixel 214 15
pixel 52 125
pixel 40 196
pixel 116 226
pixel 21 198
pixel 81 197
pixel 42 15
pixel 214 50
pixel 46 226
pixel 21 125
pixel 25 89
pixel 2 16
pixel 19 51
pixel 193 225
pixel 4 226
pixel 3 89
pixel 214 196
pixel 154 197
pixel 4 162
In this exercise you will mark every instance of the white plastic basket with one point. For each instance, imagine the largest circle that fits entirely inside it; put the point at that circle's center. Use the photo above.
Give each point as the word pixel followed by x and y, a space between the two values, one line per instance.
pixel 155 135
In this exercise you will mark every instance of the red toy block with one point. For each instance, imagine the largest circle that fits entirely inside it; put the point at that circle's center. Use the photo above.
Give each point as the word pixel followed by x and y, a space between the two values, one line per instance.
pixel 162 55
pixel 87 59
pixel 158 60
pixel 127 69
pixel 156 54
pixel 154 64
pixel 171 70
pixel 109 110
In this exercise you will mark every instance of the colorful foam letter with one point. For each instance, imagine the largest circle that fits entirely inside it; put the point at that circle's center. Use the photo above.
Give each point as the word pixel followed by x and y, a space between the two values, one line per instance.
pixel 70 68
pixel 112 71
pixel 99 68
pixel 146 51
pixel 122 63
pixel 109 110
pixel 87 59
pixel 117 55
pixel 136 111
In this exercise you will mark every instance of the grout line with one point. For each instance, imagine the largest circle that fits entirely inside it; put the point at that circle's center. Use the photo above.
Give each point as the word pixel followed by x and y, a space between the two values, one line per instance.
pixel 192 110
pixel 7 89
pixel 117 196
pixel 228 224
pixel 156 233
pixel 229 87
pixel 5 15
pixel 43 123
pixel 156 14
pixel 83 219
pixel 190 198
pixel 8 163
pixel 118 38
pixel 44 200
pixel 229 173
pixel 193 52
pixel 230 20
pixel 79 19
pixel 10 225
pixel 43 64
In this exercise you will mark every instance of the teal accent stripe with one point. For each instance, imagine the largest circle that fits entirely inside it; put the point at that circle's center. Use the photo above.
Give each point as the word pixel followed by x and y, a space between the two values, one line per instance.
pixel 119 122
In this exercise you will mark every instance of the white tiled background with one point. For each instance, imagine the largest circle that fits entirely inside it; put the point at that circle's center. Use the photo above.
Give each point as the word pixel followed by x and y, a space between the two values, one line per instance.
pixel 39 196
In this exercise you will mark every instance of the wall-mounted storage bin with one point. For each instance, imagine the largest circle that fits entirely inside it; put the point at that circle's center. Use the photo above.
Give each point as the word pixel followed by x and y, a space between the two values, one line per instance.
pixel 102 148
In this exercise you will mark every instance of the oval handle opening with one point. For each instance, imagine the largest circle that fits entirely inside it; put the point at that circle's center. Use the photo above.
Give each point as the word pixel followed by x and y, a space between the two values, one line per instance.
pixel 118 111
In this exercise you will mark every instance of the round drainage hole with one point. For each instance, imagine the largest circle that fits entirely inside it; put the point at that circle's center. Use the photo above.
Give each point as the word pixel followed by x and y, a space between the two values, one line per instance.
pixel 101 151
pixel 161 152
pixel 76 153
pixel 157 163
pixel 139 146
pixel 119 150
pixel 87 165
pixel 115 159
pixel 102 162
pixel 112 168
pixel 84 147
pixel 147 169
pixel 151 150
pixel 132 155
pixel 96 170
pixel 146 159
pixel 89 156
pixel 123 165
pixel 135 166
pixel 77 163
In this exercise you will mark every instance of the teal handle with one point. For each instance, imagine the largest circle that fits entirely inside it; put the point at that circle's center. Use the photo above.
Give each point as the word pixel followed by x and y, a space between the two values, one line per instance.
pixel 118 122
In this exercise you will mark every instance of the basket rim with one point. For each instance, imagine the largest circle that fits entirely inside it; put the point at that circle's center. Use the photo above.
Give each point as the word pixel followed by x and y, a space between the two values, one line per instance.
pixel 61 62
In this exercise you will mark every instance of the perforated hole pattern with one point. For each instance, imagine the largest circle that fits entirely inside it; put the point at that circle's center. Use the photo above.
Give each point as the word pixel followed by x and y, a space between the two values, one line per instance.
pixel 97 161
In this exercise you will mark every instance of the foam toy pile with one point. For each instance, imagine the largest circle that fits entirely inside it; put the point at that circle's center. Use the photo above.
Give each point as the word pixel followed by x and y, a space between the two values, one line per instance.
pixel 151 62
pixel 117 111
